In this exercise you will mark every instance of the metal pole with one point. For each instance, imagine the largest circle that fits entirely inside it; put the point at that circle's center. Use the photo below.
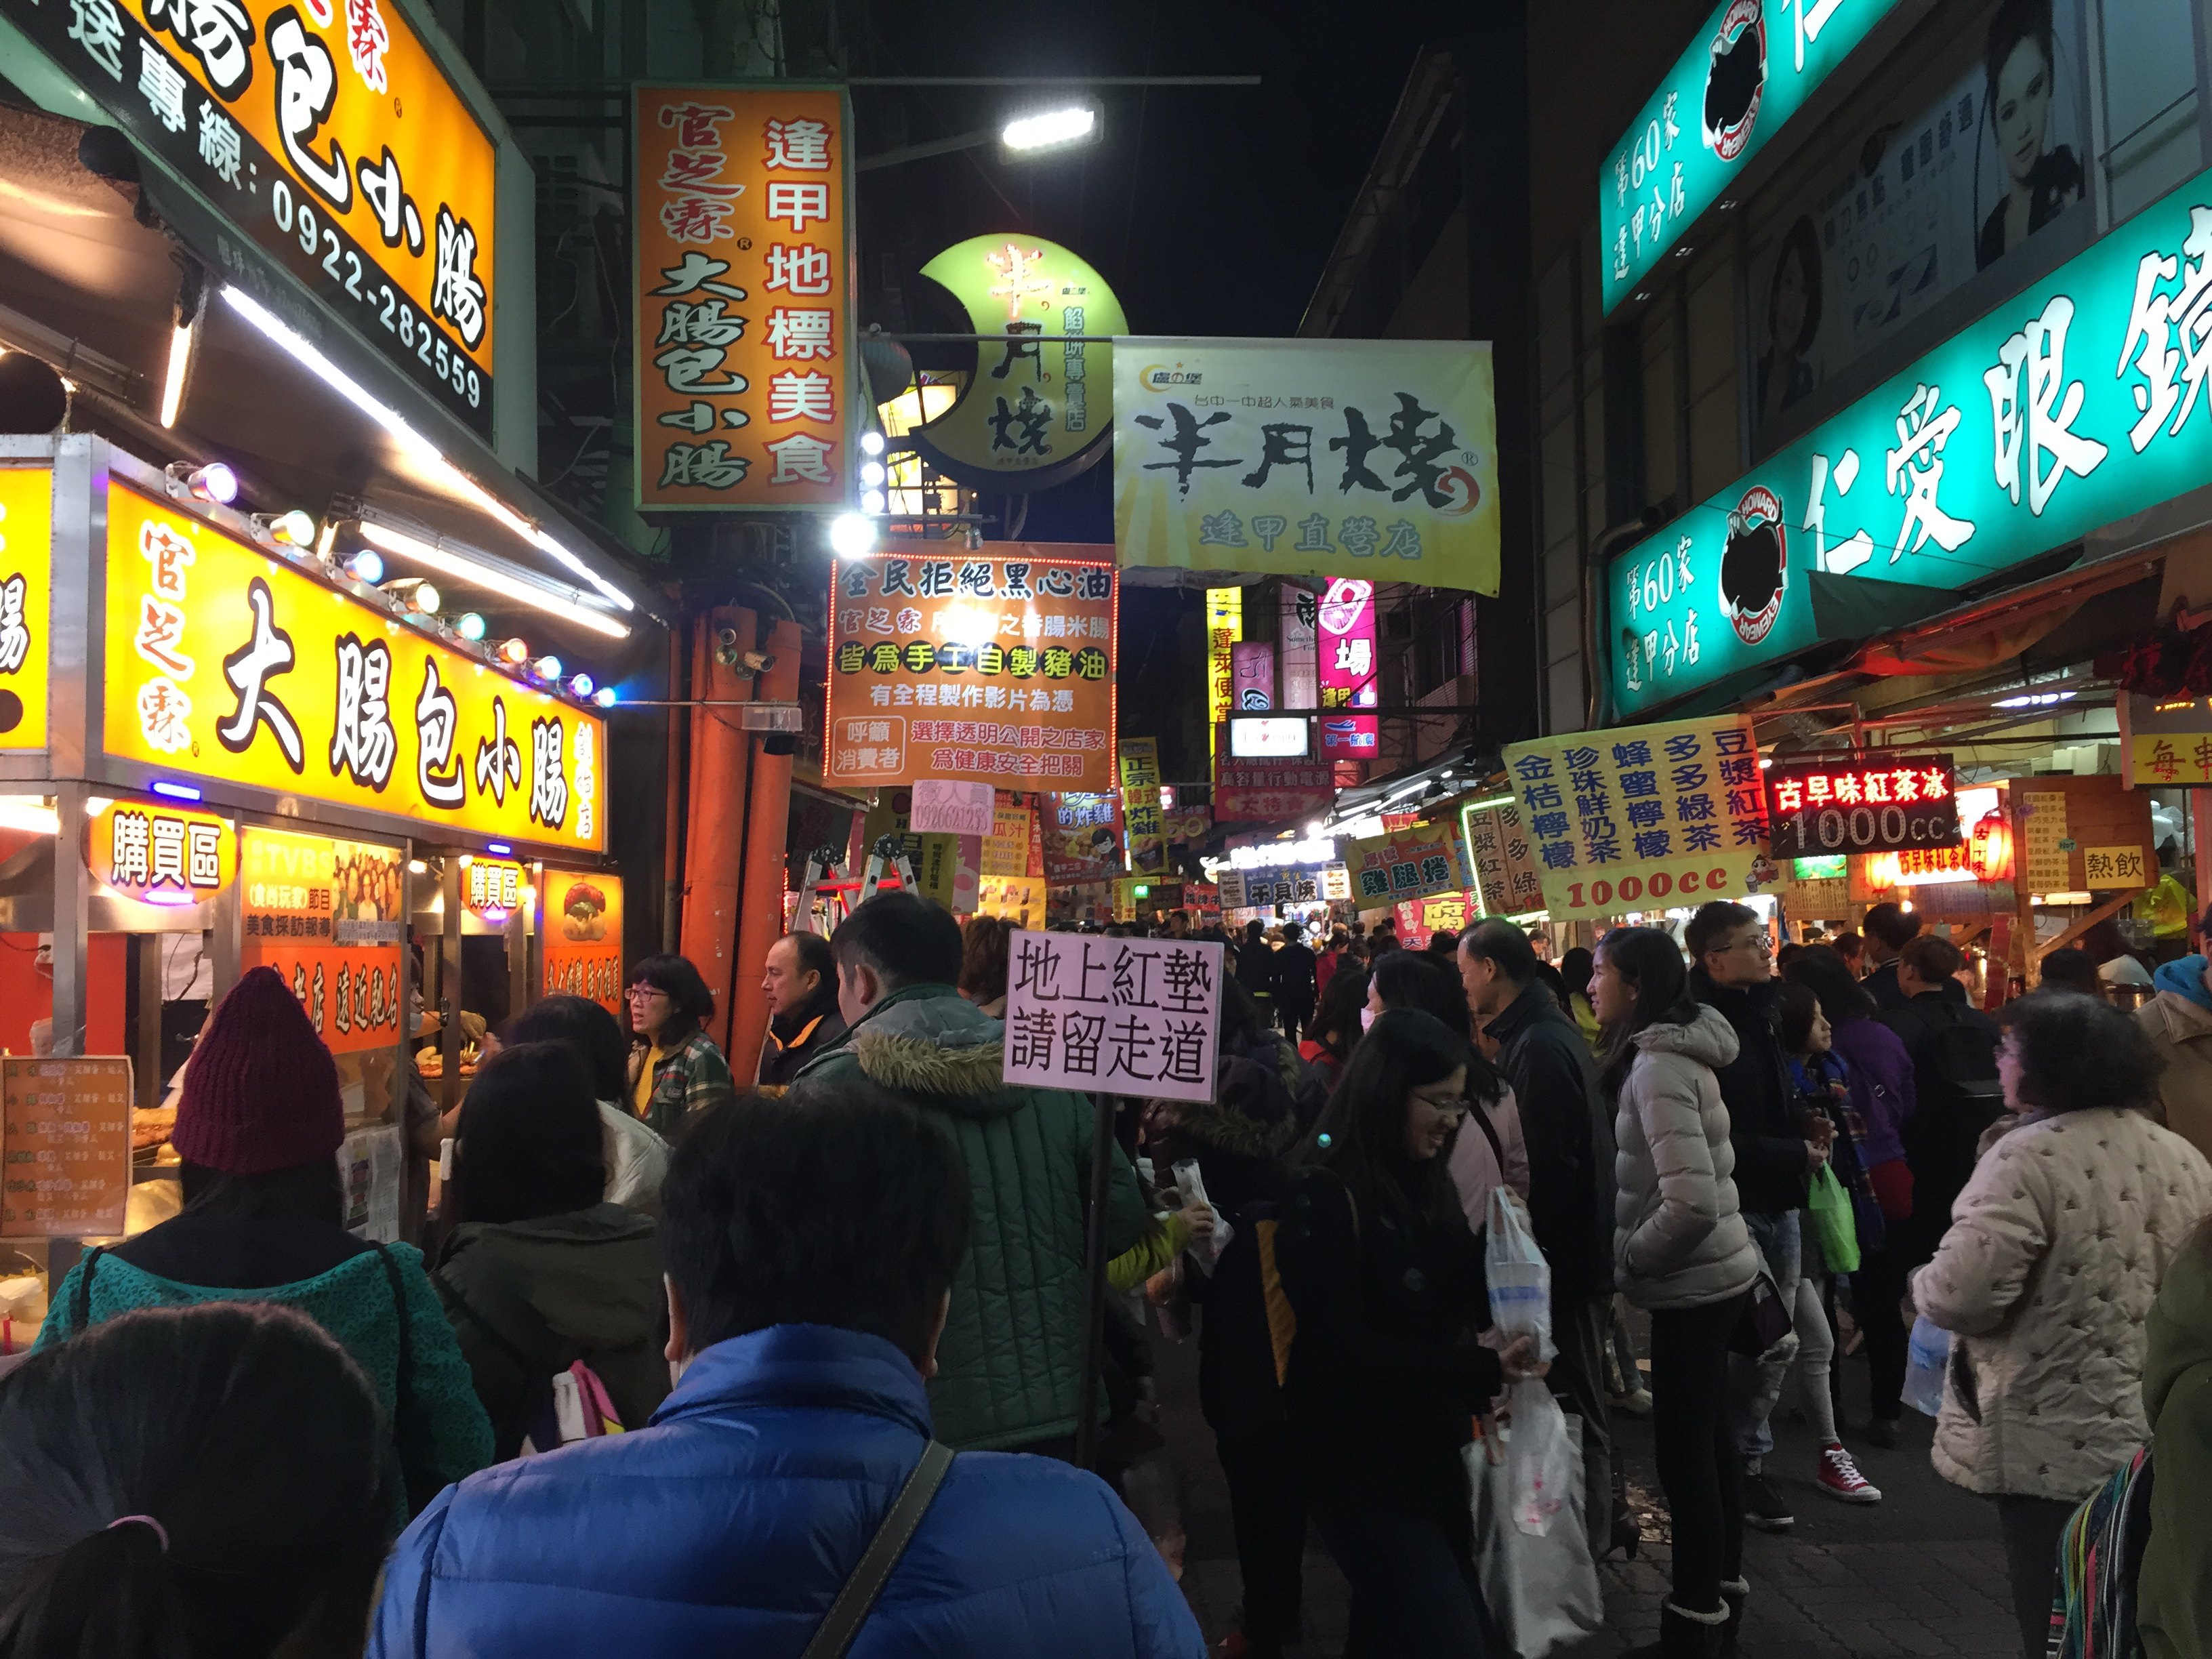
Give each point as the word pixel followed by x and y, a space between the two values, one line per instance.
pixel 1094 1278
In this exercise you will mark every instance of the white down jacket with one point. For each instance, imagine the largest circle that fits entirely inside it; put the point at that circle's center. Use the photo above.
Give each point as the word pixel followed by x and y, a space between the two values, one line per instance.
pixel 1679 1239
pixel 2056 1252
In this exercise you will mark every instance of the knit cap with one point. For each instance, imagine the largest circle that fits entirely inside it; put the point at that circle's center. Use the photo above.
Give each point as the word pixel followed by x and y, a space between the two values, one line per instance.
pixel 261 1092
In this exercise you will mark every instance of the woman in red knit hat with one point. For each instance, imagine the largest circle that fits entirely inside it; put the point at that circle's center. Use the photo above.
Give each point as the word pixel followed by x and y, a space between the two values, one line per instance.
pixel 259 1129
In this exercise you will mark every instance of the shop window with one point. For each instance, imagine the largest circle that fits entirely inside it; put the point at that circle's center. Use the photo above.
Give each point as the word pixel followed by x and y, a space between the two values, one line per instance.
pixel 2147 60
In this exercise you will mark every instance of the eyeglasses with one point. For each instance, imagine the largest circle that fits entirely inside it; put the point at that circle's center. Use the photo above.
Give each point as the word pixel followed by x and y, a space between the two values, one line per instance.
pixel 645 992
pixel 1754 941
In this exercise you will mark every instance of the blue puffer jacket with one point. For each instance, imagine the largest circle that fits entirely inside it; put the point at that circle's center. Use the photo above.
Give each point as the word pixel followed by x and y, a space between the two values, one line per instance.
pixel 729 1526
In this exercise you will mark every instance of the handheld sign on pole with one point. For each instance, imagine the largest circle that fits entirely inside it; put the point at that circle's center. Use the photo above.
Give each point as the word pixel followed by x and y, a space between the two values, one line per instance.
pixel 1113 1016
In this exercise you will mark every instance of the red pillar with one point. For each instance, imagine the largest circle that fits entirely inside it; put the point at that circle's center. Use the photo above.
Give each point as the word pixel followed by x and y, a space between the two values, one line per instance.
pixel 768 839
pixel 714 846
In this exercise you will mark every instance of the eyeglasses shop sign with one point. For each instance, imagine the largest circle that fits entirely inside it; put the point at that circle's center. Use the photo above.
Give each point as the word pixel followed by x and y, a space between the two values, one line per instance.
pixel 2078 402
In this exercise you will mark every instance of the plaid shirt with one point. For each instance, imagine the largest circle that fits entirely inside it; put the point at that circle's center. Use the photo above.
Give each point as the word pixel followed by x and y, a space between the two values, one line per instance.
pixel 689 1078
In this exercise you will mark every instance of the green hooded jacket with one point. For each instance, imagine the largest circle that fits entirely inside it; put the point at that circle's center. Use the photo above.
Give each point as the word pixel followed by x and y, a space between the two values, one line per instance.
pixel 2174 1594
pixel 1009 1363
pixel 529 1298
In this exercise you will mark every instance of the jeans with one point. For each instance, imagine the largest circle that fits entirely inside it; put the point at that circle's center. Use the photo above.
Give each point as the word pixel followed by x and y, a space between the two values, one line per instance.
pixel 1580 1330
pixel 1414 1589
pixel 1698 1468
pixel 1816 1355
pixel 2032 1528
pixel 1269 1514
pixel 1758 1383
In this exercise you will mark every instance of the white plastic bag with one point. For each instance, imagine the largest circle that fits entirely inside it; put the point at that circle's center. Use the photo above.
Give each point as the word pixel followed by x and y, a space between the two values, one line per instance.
pixel 1190 1184
pixel 1520 1279
pixel 1542 1588
pixel 1542 1471
pixel 1927 1354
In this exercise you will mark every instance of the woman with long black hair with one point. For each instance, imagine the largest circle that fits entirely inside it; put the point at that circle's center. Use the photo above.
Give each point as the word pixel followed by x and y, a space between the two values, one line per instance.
pixel 1385 1376
pixel 1682 1252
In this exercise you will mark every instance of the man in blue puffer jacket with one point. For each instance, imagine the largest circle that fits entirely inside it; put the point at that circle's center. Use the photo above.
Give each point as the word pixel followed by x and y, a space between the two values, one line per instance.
pixel 810 1249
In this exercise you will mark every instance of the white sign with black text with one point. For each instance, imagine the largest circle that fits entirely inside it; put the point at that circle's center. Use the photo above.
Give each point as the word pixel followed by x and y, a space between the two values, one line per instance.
pixel 1113 1016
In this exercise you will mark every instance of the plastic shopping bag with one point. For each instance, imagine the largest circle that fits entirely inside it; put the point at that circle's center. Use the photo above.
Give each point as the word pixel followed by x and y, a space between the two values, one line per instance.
pixel 1190 1185
pixel 1520 1279
pixel 1829 1209
pixel 1543 1474
pixel 1543 1587
pixel 1926 1356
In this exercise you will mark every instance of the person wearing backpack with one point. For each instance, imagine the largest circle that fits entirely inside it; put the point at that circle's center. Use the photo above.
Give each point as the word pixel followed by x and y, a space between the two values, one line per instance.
pixel 541 1271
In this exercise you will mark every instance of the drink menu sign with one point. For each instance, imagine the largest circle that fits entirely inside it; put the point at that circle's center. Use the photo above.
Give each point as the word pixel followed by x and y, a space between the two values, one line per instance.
pixel 64 1146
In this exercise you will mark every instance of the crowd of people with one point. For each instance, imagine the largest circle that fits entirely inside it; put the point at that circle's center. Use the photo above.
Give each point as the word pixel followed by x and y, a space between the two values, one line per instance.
pixel 801 1365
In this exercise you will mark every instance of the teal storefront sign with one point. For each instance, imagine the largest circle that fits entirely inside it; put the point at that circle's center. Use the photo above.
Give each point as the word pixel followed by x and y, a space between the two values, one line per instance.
pixel 1747 72
pixel 2081 401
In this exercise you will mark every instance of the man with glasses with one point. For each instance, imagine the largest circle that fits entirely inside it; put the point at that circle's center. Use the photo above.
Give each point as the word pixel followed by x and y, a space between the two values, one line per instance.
pixel 1777 1150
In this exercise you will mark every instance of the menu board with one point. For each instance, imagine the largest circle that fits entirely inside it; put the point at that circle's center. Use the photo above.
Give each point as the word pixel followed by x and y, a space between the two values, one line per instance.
pixel 2044 866
pixel 64 1146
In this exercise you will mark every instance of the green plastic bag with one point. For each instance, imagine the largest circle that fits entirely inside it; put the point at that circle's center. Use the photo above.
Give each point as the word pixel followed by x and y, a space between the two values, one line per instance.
pixel 1829 1209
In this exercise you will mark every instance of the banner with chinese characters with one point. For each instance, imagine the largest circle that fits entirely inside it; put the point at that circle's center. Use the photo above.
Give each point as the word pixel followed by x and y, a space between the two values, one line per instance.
pixel 325 130
pixel 2063 409
pixel 1006 848
pixel 159 853
pixel 1140 804
pixel 1224 627
pixel 1504 864
pixel 1036 412
pixel 1644 817
pixel 1254 674
pixel 231 664
pixel 1117 1017
pixel 327 915
pixel 27 524
pixel 1868 803
pixel 1345 616
pixel 1246 890
pixel 582 937
pixel 995 666
pixel 1082 837
pixel 493 889
pixel 1374 459
pixel 2164 740
pixel 1412 864
pixel 746 375
pixel 1267 791
pixel 1745 73
pixel 64 1146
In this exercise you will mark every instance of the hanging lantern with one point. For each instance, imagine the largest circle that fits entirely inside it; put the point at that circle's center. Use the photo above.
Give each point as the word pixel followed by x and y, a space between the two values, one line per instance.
pixel 1990 848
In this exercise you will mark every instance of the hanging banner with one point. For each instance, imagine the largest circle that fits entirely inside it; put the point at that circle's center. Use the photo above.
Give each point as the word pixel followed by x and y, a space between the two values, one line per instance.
pixel 944 807
pixel 329 135
pixel 582 937
pixel 231 664
pixel 27 581
pixel 745 368
pixel 1644 817
pixel 1252 675
pixel 1117 1017
pixel 995 668
pixel 1140 804
pixel 1296 627
pixel 325 914
pixel 158 853
pixel 1504 864
pixel 2062 409
pixel 1265 791
pixel 1082 837
pixel 1414 864
pixel 1036 412
pixel 1307 458
pixel 1345 616
pixel 1224 627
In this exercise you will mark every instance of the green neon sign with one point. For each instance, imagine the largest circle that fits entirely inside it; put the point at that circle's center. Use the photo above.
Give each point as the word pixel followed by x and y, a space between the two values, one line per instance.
pixel 2081 401
pixel 1745 74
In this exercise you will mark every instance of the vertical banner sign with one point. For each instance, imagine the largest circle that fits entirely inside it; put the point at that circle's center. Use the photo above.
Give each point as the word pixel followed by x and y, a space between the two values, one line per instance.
pixel 1374 459
pixel 1253 674
pixel 329 135
pixel 1082 837
pixel 1140 804
pixel 27 525
pixel 326 915
pixel 1644 817
pixel 1345 615
pixel 745 371
pixel 64 1146
pixel 1296 627
pixel 582 936
pixel 1224 627
pixel 1745 73
pixel 1504 864
pixel 1117 1017
pixel 995 667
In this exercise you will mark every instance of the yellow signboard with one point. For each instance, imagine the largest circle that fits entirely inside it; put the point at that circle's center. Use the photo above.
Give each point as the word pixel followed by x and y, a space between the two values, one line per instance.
pixel 27 523
pixel 227 663
pixel 160 854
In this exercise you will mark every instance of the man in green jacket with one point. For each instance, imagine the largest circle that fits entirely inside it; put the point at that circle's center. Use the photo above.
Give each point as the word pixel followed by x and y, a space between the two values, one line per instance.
pixel 1009 1364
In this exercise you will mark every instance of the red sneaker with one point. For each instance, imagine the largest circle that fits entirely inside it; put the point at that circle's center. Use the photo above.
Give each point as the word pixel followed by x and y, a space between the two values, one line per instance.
pixel 1840 1479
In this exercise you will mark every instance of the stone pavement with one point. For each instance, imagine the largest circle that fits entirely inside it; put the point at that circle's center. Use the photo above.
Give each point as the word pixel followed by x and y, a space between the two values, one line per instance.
pixel 1921 1573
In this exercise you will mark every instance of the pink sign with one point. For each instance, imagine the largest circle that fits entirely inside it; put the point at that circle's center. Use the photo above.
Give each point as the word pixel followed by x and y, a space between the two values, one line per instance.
pixel 1346 619
pixel 950 806
pixel 1252 675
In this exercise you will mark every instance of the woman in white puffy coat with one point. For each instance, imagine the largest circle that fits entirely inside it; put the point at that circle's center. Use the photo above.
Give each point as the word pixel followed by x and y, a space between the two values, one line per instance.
pixel 2056 1251
pixel 1681 1251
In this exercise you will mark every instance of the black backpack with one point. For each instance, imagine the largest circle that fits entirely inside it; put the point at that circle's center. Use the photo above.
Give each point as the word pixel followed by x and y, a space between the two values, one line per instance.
pixel 1957 1094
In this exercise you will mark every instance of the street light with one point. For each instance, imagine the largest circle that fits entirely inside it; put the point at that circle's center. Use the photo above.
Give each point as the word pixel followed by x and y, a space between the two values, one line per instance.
pixel 1049 129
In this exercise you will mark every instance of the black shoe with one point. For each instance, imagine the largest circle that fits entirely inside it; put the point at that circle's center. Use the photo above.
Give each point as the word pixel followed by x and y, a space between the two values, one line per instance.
pixel 1883 1432
pixel 1735 1593
pixel 1683 1636
pixel 1762 1507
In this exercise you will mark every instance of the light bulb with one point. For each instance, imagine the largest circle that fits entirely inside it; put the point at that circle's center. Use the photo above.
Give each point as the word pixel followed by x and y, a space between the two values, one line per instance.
pixel 365 566
pixel 213 482
pixel 872 443
pixel 872 501
pixel 851 535
pixel 605 696
pixel 424 599
pixel 515 651
pixel 871 472
pixel 581 686
pixel 468 625
pixel 294 529
pixel 547 668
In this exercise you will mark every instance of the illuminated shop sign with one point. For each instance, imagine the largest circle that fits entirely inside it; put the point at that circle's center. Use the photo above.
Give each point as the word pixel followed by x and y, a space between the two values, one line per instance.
pixel 1869 805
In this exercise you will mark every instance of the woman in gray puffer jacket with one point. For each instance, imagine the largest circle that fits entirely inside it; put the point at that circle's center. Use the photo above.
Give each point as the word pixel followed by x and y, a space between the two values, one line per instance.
pixel 1680 1251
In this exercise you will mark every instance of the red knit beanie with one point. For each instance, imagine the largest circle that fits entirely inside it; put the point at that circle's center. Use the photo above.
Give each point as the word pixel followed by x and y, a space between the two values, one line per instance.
pixel 261 1092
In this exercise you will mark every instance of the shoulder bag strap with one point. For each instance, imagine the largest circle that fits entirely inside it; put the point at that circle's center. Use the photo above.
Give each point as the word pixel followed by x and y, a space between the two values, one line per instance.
pixel 1480 1113
pixel 81 1303
pixel 858 1599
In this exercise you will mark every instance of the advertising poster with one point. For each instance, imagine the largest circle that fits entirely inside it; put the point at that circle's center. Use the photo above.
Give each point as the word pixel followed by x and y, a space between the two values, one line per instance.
pixel 581 937
pixel 1006 848
pixel 1504 863
pixel 1262 790
pixel 744 365
pixel 1252 676
pixel 994 667
pixel 1412 864
pixel 1297 627
pixel 1346 620
pixel 1224 627
pixel 326 915
pixel 1141 817
pixel 1374 459
pixel 1120 1016
pixel 1082 837
pixel 1644 817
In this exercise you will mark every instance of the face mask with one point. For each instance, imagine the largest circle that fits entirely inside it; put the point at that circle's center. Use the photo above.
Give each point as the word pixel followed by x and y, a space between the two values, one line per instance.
pixel 1367 1018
